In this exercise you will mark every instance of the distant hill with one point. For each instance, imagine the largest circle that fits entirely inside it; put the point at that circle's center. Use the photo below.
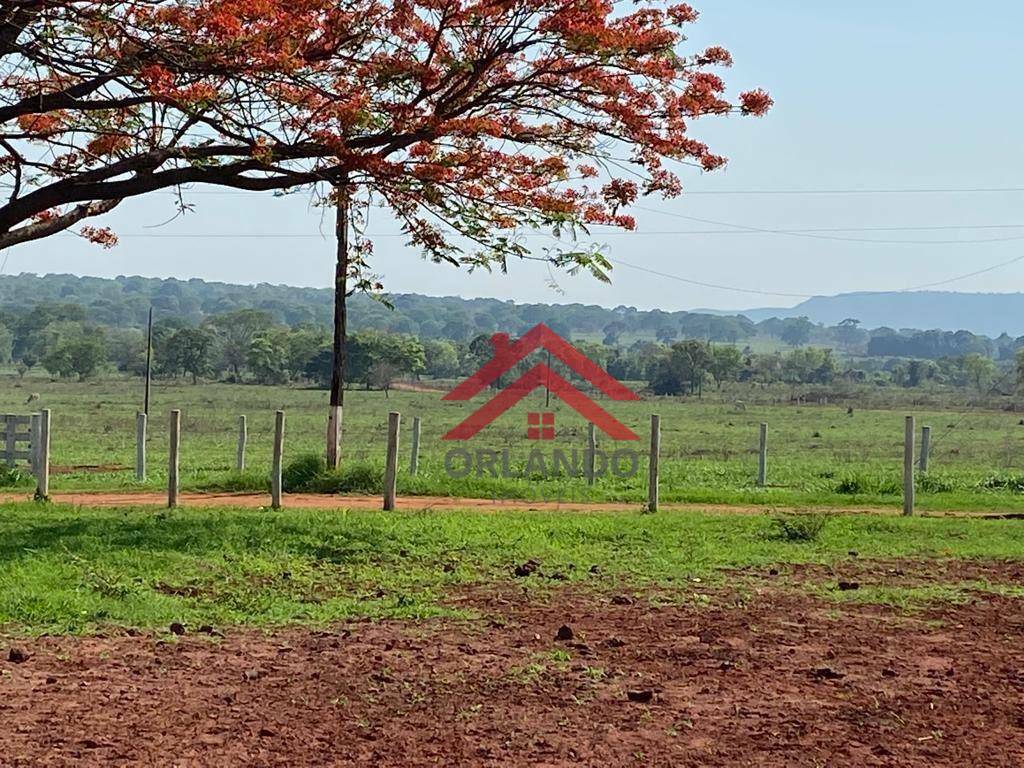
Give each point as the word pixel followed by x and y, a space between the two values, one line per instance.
pixel 124 302
pixel 990 314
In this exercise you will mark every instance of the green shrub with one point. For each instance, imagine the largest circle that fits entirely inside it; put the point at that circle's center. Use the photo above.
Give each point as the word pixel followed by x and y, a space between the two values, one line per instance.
pixel 309 474
pixel 851 486
pixel 1011 483
pixel 354 478
pixel 798 528
pixel 303 473
pixel 858 484
pixel 937 484
pixel 11 477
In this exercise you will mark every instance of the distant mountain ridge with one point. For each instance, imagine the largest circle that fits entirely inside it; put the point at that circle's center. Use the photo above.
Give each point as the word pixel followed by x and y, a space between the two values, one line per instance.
pixel 990 314
pixel 124 302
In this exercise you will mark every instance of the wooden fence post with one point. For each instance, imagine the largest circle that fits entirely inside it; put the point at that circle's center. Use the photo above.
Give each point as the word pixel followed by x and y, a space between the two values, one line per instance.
pixel 275 476
pixel 35 427
pixel 590 457
pixel 11 442
pixel 391 462
pixel 908 467
pixel 334 416
pixel 762 458
pixel 652 474
pixel 43 470
pixel 140 446
pixel 926 447
pixel 173 450
pixel 243 437
pixel 414 458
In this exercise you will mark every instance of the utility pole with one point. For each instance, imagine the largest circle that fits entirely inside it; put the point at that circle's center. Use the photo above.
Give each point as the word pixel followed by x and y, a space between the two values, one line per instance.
pixel 149 363
pixel 547 385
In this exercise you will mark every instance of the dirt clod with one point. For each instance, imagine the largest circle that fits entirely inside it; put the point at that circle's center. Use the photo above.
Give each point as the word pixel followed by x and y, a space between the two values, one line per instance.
pixel 17 656
pixel 528 568
pixel 827 673
pixel 640 697
pixel 564 634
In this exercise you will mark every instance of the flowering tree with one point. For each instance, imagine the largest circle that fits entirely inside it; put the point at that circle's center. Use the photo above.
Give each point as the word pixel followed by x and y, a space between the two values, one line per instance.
pixel 103 100
pixel 469 119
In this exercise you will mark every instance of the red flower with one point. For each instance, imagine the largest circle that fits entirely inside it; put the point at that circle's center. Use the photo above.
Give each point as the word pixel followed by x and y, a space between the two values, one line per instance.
pixel 755 103
pixel 100 235
pixel 682 14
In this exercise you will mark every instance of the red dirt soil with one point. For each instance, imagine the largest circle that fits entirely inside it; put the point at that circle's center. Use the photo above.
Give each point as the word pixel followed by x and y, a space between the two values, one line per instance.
pixel 778 680
pixel 425 503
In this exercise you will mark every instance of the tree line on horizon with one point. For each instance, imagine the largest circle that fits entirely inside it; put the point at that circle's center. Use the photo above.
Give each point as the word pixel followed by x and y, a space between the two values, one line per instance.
pixel 123 304
pixel 253 346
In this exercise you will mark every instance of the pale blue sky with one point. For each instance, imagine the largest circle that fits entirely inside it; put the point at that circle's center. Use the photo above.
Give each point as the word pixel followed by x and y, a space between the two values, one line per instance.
pixel 869 95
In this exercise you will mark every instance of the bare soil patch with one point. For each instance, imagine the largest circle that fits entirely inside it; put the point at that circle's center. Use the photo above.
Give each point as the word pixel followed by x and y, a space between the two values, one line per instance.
pixel 777 679
pixel 422 503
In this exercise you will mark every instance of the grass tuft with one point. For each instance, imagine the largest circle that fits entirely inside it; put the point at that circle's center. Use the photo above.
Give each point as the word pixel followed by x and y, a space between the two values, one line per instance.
pixel 798 528
pixel 12 477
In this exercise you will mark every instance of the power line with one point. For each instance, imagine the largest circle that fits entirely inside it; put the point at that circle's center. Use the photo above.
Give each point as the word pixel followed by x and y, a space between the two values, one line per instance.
pixel 658 273
pixel 818 236
pixel 702 284
pixel 619 232
pixel 755 291
pixel 965 276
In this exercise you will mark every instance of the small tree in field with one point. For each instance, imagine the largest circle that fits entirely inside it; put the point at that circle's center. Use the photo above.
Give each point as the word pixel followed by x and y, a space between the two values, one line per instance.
pixel 190 350
pixel 725 364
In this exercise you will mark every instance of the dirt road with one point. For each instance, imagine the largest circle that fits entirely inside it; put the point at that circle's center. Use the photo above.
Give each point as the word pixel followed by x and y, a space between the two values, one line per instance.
pixel 425 503
pixel 413 503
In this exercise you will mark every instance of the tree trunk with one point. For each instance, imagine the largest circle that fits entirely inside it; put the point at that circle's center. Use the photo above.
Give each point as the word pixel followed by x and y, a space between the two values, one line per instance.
pixel 340 328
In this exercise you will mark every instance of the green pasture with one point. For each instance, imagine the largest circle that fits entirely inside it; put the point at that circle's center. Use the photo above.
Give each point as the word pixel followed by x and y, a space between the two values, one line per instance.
pixel 81 570
pixel 819 454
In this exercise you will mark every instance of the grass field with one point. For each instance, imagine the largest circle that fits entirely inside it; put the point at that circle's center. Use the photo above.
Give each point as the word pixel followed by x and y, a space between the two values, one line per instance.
pixel 819 455
pixel 70 570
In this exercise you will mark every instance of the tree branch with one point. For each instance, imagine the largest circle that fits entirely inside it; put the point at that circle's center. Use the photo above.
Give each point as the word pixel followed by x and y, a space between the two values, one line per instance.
pixel 41 229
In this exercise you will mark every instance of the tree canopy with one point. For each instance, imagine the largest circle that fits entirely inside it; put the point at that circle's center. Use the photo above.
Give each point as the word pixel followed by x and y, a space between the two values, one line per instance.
pixel 464 117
